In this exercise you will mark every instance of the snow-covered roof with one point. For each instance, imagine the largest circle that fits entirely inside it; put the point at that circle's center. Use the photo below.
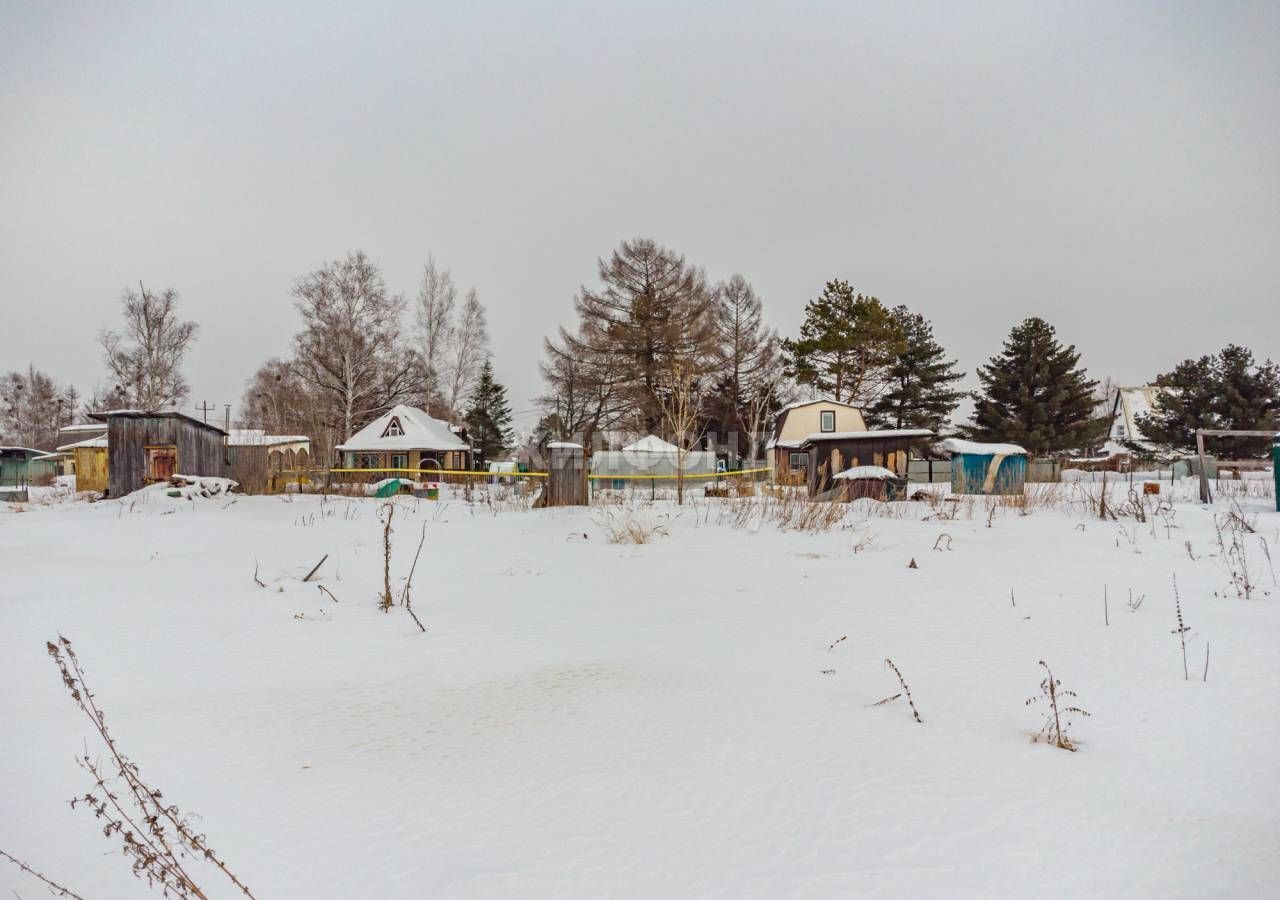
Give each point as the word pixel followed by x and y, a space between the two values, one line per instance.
pixel 977 448
pixel 258 437
pixel 859 472
pixel 96 442
pixel 651 444
pixel 418 431
pixel 867 435
pixel 800 403
pixel 88 426
pixel 563 445
pixel 152 414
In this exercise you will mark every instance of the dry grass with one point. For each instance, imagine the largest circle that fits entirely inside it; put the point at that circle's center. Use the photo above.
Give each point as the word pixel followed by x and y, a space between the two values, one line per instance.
pixel 628 526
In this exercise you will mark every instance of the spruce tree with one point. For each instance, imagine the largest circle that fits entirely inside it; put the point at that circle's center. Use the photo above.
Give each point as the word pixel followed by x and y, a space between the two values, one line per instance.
pixel 921 379
pixel 1036 394
pixel 489 416
pixel 1228 391
pixel 847 344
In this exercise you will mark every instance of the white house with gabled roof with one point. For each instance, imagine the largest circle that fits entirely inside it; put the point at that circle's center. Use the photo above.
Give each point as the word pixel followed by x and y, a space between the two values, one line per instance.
pixel 406 438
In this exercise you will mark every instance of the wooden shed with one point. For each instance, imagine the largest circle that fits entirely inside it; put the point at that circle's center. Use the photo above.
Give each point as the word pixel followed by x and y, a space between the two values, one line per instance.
pixel 146 447
pixel 88 462
pixel 830 454
pixel 21 466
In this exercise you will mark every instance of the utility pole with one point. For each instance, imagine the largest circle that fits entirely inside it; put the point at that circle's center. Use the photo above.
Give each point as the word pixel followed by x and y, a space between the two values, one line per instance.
pixel 204 408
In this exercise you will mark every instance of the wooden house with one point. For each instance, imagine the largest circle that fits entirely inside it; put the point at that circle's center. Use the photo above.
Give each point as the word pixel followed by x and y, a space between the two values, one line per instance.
pixel 788 460
pixel 406 438
pixel 829 454
pixel 146 447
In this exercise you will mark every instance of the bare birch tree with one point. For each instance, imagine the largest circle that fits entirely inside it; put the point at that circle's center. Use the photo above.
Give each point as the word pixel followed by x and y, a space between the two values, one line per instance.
pixel 32 409
pixel 433 313
pixel 145 358
pixel 585 394
pixel 681 405
pixel 468 348
pixel 350 350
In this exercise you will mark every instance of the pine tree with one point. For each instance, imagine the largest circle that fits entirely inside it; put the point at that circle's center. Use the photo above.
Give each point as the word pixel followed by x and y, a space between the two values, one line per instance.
pixel 920 393
pixel 1035 394
pixel 489 417
pixel 847 344
pixel 1228 391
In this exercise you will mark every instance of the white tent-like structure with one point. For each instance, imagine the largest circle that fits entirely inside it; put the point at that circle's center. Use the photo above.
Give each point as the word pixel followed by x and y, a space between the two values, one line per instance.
pixel 651 456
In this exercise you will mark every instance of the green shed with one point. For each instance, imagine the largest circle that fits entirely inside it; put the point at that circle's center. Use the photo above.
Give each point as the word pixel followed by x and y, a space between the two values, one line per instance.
pixel 20 466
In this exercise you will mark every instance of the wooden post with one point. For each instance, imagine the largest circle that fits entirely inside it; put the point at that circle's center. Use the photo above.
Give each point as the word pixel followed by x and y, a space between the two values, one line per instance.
pixel 566 475
pixel 1204 477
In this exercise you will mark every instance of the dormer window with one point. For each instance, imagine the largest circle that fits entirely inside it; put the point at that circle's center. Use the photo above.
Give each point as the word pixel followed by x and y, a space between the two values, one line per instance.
pixel 828 421
pixel 393 428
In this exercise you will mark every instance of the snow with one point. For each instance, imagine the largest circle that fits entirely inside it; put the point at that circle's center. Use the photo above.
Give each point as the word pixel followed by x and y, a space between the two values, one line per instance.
pixel 563 445
pixel 799 403
pixel 258 437
pixel 959 445
pixel 420 432
pixel 868 435
pixel 651 444
pixel 585 719
pixel 859 472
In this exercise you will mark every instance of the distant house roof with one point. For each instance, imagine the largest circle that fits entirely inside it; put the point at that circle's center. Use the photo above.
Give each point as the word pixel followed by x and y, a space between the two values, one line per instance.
pixel 404 428
pixel 1130 403
pixel 31 452
pixel 99 442
pixel 258 437
pixel 87 426
pixel 143 414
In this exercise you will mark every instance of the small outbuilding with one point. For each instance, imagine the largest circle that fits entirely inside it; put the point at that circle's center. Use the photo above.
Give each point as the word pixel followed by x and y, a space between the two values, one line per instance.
pixel 83 453
pixel 978 468
pixel 873 482
pixel 21 466
pixel 827 455
pixel 789 463
pixel 146 447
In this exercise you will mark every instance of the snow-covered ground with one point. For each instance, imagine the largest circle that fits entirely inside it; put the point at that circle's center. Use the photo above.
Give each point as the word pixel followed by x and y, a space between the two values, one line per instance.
pixel 662 720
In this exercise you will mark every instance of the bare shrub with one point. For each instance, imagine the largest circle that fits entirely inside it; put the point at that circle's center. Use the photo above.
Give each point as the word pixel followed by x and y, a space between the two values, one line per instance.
pixel 157 838
pixel 1181 630
pixel 385 514
pixel 906 692
pixel 627 528
pixel 1059 707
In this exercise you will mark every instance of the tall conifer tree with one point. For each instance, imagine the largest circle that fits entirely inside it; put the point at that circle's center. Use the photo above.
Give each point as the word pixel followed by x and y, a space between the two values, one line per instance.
pixel 489 416
pixel 920 392
pixel 1036 394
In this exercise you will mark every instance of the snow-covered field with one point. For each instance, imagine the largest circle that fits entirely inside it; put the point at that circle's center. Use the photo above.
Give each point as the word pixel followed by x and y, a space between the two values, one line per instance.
pixel 663 720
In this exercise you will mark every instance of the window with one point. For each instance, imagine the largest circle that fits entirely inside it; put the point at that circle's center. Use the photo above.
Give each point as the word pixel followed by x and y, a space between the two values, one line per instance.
pixel 798 461
pixel 393 428
pixel 828 420
pixel 399 460
pixel 368 461
pixel 1120 431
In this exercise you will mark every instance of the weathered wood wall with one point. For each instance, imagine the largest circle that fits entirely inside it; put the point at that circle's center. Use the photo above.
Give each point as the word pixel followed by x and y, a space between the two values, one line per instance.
pixel 201 450
pixel 92 471
pixel 567 477
pixel 830 457
pixel 250 468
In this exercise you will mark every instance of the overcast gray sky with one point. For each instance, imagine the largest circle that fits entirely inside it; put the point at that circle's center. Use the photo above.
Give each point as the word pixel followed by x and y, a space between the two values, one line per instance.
pixel 1112 168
